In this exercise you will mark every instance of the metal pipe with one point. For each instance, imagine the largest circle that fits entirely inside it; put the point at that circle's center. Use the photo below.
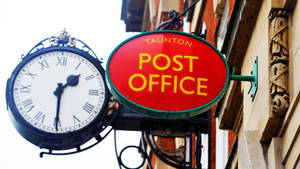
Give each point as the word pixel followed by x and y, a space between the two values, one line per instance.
pixel 242 78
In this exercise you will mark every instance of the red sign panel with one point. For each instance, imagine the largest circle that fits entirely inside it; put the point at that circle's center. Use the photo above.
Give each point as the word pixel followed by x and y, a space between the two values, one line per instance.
pixel 168 74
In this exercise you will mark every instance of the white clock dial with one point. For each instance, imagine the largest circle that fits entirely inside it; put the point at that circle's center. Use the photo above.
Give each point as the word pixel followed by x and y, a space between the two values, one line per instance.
pixel 35 85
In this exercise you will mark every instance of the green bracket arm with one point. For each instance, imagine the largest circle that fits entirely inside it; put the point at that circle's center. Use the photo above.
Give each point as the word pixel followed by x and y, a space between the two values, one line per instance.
pixel 253 78
pixel 242 78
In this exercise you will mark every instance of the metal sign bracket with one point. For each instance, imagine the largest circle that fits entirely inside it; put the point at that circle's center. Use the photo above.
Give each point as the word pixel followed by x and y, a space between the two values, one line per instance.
pixel 253 79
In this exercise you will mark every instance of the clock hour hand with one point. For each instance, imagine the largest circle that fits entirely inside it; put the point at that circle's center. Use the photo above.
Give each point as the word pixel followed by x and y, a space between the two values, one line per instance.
pixel 72 80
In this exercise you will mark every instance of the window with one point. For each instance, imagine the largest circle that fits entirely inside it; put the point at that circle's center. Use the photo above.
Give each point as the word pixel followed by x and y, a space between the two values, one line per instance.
pixel 221 147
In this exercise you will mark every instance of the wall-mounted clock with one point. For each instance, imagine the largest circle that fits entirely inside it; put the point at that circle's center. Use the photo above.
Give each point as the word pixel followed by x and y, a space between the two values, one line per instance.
pixel 57 94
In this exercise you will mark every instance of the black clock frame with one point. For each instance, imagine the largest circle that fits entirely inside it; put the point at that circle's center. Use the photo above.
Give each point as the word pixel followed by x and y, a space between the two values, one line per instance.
pixel 55 141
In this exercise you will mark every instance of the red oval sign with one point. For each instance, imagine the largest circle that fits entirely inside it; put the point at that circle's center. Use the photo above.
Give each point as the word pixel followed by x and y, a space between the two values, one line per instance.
pixel 168 74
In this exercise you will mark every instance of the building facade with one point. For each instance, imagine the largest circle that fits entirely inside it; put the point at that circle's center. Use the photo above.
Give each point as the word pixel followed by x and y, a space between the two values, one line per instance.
pixel 266 122
pixel 255 125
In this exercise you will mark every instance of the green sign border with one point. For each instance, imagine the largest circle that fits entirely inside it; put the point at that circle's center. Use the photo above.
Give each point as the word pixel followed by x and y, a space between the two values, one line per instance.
pixel 161 113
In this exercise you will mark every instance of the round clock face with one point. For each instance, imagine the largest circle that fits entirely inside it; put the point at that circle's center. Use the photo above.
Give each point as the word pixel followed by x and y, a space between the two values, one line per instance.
pixel 59 92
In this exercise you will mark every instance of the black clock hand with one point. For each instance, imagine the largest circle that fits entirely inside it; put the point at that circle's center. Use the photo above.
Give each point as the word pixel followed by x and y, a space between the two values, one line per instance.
pixel 72 80
pixel 58 92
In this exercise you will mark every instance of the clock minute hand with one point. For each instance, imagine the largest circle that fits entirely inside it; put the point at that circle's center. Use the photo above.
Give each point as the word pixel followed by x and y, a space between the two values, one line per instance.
pixel 58 92
pixel 72 80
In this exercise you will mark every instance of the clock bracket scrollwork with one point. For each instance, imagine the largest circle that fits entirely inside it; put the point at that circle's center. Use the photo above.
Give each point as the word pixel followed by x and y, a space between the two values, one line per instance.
pixel 63 40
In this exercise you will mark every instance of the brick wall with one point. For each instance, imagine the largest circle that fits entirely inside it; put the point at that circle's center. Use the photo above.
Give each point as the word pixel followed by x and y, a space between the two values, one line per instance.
pixel 211 22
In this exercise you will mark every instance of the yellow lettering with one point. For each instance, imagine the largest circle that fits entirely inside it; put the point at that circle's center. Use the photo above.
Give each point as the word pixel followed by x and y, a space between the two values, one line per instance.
pixel 181 85
pixel 175 84
pixel 191 59
pixel 174 40
pixel 180 66
pixel 137 89
pixel 195 86
pixel 200 86
pixel 148 41
pixel 180 41
pixel 151 82
pixel 164 83
pixel 159 40
pixel 164 56
pixel 142 60
pixel 187 43
pixel 153 41
pixel 167 40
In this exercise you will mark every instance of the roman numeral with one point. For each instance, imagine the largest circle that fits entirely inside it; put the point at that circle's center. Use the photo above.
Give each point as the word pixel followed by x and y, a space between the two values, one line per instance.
pixel 77 66
pixel 94 92
pixel 40 116
pixel 31 74
pixel 25 89
pixel 28 104
pixel 75 120
pixel 88 107
pixel 44 64
pixel 89 77
pixel 61 61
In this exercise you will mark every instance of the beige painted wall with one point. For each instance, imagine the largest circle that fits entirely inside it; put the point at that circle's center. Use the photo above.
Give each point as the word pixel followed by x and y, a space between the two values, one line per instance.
pixel 291 138
pixel 294 40
pixel 256 113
